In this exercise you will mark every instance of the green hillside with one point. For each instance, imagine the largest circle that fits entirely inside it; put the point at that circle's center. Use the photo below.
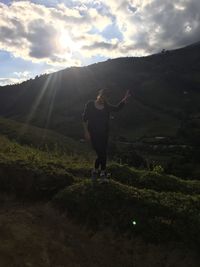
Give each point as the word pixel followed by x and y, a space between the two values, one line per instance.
pixel 41 138
pixel 37 235
pixel 165 88
pixel 165 208
pixel 148 213
pixel 165 104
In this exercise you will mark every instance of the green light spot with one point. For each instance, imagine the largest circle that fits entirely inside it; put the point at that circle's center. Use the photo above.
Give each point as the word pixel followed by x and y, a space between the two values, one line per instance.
pixel 134 222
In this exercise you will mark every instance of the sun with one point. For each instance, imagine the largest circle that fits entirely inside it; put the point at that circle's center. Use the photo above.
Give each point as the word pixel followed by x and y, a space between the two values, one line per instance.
pixel 66 44
pixel 64 40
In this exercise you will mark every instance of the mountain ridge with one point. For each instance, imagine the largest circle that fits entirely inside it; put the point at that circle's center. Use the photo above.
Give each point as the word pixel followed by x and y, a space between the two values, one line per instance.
pixel 165 87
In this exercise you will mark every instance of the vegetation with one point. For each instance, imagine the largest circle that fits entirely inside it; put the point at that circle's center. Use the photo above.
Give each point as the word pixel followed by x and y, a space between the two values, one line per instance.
pixel 38 235
pixel 165 104
pixel 165 88
pixel 165 208
pixel 153 180
pixel 44 139
pixel 157 216
pixel 44 172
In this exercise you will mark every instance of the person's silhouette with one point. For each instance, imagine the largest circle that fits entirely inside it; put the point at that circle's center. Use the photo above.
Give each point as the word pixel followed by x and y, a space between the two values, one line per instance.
pixel 96 127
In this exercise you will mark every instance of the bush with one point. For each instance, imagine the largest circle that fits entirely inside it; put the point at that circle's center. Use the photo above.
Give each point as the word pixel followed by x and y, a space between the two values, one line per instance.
pixel 153 180
pixel 32 183
pixel 125 174
pixel 158 216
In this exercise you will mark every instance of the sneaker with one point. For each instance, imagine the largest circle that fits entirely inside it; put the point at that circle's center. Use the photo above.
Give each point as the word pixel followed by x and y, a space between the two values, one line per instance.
pixel 108 175
pixel 103 176
pixel 94 174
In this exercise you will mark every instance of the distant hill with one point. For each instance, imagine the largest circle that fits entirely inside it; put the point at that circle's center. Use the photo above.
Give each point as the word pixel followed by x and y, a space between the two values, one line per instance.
pixel 166 90
pixel 43 139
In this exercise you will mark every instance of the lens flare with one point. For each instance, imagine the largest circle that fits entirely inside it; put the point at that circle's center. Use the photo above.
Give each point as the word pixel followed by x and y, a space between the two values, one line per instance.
pixel 66 43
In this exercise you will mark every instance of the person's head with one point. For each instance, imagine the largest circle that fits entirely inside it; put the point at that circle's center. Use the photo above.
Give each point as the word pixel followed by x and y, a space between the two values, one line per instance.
pixel 102 96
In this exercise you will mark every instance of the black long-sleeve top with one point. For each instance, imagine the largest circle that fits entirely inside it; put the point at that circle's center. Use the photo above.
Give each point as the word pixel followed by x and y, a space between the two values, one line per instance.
pixel 98 120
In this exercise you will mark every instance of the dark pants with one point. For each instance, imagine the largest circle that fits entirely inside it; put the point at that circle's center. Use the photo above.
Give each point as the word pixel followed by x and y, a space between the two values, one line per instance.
pixel 99 143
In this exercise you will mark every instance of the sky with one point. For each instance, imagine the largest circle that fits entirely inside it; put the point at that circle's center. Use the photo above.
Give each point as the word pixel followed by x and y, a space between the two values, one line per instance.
pixel 41 36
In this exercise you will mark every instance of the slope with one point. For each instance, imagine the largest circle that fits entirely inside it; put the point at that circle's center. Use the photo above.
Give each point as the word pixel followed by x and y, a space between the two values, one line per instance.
pixel 165 86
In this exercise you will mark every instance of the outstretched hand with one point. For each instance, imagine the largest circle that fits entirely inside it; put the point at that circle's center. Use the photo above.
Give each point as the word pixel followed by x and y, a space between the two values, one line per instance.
pixel 126 97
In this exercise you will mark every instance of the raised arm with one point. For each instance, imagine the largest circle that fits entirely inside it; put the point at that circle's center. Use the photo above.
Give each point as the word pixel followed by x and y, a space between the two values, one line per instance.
pixel 115 108
pixel 120 105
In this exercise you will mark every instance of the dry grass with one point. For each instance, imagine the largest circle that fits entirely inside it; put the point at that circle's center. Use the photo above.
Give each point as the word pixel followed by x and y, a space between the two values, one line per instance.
pixel 38 236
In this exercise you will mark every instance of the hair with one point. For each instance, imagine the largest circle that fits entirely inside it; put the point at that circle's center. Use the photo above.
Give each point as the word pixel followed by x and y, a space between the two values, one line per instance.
pixel 105 92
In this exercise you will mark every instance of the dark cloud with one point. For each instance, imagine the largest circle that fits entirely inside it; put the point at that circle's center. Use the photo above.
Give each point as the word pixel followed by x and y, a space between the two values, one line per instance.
pixel 131 8
pixel 139 29
pixel 100 45
pixel 12 33
pixel 41 38
pixel 179 22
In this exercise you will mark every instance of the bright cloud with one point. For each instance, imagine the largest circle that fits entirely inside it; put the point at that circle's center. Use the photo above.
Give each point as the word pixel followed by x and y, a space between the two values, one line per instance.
pixel 24 74
pixel 16 77
pixel 63 34
pixel 36 32
pixel 8 81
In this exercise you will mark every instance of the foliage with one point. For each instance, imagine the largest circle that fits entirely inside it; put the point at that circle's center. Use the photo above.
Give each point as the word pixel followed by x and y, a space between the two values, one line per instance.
pixel 44 139
pixel 158 169
pixel 158 216
pixel 163 207
pixel 158 81
pixel 30 173
pixel 153 180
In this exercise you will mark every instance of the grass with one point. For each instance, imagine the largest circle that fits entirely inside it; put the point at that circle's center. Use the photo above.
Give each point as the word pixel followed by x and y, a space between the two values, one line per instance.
pixel 38 235
pixel 29 172
pixel 44 139
pixel 165 208
pixel 159 216
pixel 152 180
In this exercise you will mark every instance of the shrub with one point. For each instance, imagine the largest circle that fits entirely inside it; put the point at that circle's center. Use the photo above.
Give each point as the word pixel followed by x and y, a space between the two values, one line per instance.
pixel 153 180
pixel 32 183
pixel 158 216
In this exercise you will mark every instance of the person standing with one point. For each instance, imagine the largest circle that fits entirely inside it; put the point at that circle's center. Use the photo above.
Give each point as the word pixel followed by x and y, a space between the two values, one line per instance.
pixel 95 118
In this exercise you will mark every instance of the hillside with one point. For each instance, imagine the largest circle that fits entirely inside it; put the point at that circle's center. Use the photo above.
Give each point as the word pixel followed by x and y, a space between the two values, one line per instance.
pixel 165 86
pixel 37 235
pixel 41 138
pixel 50 209
pixel 52 214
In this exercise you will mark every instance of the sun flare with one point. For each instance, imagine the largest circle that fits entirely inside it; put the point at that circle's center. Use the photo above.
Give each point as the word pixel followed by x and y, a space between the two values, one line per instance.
pixel 66 43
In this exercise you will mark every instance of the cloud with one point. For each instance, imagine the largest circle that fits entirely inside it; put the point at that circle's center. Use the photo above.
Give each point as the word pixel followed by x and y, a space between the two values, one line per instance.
pixel 34 32
pixel 155 24
pixel 9 81
pixel 64 34
pixel 22 74
pixel 18 77
pixel 42 39
pixel 99 45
